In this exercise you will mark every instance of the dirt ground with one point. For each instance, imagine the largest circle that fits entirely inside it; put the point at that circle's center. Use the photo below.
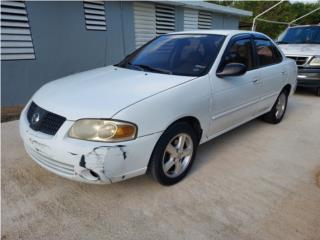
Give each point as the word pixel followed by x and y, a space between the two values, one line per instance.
pixel 256 182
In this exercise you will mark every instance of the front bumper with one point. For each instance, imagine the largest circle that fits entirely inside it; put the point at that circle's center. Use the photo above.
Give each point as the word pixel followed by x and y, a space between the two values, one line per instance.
pixel 85 161
pixel 309 77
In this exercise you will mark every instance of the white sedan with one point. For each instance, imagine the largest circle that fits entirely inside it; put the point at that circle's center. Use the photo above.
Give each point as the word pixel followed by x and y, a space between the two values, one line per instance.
pixel 150 112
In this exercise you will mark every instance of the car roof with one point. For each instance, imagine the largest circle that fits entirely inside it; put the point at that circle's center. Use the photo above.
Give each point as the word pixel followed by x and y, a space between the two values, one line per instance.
pixel 218 32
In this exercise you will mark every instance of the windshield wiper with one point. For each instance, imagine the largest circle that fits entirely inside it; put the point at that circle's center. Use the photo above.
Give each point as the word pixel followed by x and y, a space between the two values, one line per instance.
pixel 146 67
pixel 135 66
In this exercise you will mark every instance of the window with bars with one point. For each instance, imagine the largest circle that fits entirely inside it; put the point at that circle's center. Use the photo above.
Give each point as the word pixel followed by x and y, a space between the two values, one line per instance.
pixel 204 20
pixel 95 15
pixel 165 19
pixel 16 39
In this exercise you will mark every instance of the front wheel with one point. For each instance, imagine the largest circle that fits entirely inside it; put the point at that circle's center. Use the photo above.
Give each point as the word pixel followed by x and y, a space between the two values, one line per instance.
pixel 173 154
pixel 278 110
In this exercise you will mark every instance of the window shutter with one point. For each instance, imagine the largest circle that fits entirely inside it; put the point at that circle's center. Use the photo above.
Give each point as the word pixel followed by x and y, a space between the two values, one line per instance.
pixel 190 21
pixel 165 19
pixel 151 20
pixel 16 39
pixel 95 15
pixel 204 20
pixel 144 22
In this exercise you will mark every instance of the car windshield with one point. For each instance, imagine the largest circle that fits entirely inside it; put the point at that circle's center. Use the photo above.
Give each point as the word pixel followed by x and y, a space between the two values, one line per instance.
pixel 300 35
pixel 177 54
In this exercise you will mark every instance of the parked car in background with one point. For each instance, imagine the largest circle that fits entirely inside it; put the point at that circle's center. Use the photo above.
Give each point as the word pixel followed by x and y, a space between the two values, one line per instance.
pixel 152 110
pixel 302 44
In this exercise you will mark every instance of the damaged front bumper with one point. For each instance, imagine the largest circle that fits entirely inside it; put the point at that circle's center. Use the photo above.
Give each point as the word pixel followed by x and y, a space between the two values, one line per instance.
pixel 85 161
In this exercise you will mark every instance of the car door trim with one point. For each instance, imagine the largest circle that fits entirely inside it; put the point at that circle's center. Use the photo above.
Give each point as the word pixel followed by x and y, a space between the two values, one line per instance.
pixel 239 107
pixel 269 96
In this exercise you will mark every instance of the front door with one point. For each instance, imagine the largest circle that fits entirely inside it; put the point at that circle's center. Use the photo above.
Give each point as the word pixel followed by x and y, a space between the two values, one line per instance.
pixel 236 97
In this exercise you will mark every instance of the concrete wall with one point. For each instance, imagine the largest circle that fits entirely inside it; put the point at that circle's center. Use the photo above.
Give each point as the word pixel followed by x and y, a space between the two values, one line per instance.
pixel 230 22
pixel 63 46
pixel 179 14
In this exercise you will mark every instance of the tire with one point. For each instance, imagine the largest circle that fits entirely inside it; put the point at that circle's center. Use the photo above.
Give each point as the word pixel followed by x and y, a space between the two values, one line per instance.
pixel 169 162
pixel 278 110
pixel 317 91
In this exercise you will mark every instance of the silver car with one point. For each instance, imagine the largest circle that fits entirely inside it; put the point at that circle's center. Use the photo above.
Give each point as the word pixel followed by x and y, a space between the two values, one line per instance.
pixel 302 44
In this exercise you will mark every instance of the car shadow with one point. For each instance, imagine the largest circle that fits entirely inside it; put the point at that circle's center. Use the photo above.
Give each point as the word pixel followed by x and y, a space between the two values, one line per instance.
pixel 305 91
pixel 207 151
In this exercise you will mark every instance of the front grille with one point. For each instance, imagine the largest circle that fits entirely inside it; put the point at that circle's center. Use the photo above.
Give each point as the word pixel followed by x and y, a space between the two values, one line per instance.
pixel 44 121
pixel 299 60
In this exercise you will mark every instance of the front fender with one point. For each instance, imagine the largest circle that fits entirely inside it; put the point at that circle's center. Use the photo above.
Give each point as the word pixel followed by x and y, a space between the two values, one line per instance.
pixel 156 113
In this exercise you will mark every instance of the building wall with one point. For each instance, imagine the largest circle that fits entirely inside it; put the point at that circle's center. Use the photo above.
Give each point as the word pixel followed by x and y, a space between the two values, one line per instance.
pixel 63 46
pixel 230 22
pixel 221 21
pixel 179 18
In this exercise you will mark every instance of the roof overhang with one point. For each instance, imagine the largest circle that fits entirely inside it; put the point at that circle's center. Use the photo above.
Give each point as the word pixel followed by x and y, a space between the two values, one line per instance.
pixel 211 7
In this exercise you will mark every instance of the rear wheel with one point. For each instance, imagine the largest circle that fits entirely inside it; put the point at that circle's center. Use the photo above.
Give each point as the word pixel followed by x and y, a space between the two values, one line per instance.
pixel 278 110
pixel 318 91
pixel 174 154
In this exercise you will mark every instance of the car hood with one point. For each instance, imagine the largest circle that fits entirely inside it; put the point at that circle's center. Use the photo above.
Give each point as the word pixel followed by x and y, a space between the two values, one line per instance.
pixel 102 92
pixel 300 49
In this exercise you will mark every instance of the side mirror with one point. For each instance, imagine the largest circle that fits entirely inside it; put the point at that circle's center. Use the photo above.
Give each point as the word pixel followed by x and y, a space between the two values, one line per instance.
pixel 232 69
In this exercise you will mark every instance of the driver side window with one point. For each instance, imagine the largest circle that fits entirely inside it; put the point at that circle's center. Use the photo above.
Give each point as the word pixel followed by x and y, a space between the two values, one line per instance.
pixel 240 52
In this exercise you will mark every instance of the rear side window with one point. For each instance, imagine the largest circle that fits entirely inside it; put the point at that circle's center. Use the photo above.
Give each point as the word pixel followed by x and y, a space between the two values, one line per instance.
pixel 267 53
pixel 240 52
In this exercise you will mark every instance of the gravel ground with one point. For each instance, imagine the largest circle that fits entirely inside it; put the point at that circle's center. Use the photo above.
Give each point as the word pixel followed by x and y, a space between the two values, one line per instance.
pixel 256 182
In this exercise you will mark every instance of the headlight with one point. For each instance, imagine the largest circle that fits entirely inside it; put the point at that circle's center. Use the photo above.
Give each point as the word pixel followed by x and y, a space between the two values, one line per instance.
pixel 103 130
pixel 315 61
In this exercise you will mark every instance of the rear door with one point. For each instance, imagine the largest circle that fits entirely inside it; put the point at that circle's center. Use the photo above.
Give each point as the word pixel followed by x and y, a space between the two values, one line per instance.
pixel 273 72
pixel 235 98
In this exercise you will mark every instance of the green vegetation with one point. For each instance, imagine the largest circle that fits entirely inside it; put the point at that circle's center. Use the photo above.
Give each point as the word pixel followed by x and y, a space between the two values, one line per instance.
pixel 285 12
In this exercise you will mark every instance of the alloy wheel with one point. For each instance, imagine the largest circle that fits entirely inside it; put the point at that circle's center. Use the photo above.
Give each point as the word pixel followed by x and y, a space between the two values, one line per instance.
pixel 177 156
pixel 281 105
